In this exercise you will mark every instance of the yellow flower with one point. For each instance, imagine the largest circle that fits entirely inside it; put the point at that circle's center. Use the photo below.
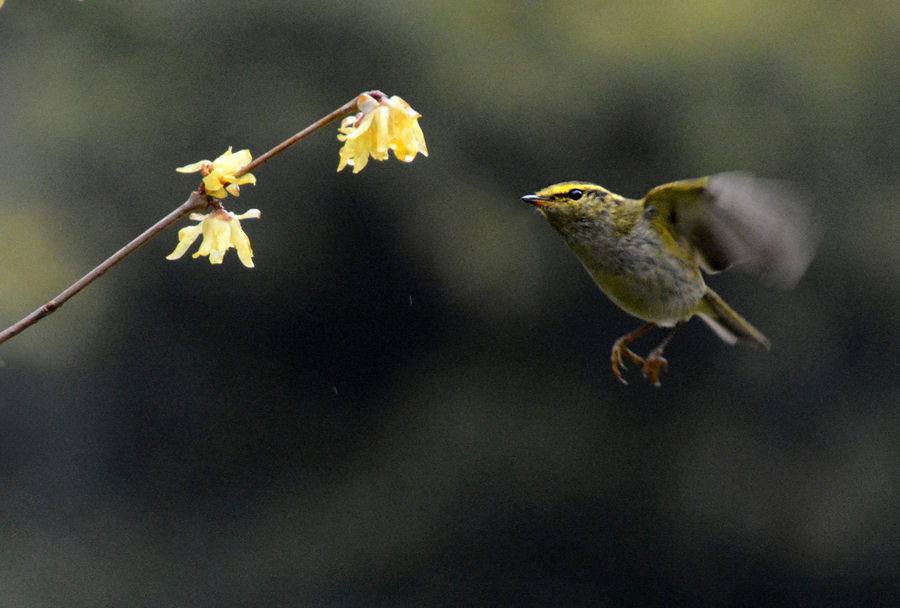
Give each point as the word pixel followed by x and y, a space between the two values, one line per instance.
pixel 218 175
pixel 389 124
pixel 221 230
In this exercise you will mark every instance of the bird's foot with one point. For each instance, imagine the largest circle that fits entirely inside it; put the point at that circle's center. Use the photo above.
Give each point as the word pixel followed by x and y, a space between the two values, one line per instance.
pixel 652 365
pixel 620 352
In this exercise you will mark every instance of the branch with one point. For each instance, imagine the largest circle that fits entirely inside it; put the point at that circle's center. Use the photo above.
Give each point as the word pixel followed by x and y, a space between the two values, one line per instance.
pixel 348 109
pixel 195 202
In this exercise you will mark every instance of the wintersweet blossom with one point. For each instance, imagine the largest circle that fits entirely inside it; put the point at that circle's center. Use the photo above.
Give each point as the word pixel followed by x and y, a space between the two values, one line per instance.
pixel 219 175
pixel 389 124
pixel 221 230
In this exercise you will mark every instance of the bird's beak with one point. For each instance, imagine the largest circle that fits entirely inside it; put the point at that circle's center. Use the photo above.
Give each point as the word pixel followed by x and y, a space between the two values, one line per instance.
pixel 534 199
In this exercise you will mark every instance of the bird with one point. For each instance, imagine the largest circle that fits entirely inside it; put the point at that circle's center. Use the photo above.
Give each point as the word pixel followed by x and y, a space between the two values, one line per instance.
pixel 649 255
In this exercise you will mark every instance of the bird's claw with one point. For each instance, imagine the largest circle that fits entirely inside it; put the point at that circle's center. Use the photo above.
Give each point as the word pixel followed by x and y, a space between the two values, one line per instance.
pixel 621 352
pixel 652 365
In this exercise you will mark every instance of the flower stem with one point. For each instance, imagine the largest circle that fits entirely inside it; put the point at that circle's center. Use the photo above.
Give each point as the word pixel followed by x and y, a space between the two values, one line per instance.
pixel 348 109
pixel 195 202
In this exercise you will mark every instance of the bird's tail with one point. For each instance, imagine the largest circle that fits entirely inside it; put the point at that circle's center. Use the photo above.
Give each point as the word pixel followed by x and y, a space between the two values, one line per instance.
pixel 729 325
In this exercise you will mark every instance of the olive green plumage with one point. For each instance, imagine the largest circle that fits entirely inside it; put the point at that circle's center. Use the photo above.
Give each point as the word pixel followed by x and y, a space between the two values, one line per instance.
pixel 647 254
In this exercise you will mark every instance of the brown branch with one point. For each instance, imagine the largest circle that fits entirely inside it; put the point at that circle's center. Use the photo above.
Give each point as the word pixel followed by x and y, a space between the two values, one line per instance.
pixel 195 202
pixel 348 109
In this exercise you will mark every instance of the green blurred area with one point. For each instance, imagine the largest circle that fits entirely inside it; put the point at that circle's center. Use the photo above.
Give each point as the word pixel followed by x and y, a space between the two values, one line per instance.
pixel 408 401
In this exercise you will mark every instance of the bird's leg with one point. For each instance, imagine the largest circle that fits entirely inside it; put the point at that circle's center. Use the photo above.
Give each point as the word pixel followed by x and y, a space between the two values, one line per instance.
pixel 655 360
pixel 620 350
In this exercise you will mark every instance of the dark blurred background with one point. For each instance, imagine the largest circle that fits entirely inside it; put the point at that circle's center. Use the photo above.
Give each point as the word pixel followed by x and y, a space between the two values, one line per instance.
pixel 408 401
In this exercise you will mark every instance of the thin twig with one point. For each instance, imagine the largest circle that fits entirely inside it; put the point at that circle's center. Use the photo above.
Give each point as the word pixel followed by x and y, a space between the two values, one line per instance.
pixel 195 202
pixel 348 109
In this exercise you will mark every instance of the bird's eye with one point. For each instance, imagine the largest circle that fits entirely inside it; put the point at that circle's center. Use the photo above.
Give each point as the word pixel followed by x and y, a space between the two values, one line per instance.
pixel 575 194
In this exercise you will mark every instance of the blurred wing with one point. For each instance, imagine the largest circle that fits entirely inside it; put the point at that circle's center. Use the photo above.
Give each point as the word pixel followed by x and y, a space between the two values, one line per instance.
pixel 734 218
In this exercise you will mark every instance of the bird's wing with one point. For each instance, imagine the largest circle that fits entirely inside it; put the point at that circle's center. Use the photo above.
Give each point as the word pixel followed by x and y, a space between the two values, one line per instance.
pixel 734 218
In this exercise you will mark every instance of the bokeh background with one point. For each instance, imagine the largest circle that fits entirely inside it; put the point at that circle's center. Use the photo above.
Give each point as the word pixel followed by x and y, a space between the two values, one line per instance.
pixel 408 401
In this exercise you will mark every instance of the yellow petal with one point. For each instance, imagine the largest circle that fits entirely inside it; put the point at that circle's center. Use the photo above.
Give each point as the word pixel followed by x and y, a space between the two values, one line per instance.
pixel 221 235
pixel 240 158
pixel 212 182
pixel 240 242
pixel 406 148
pixel 231 163
pixel 252 213
pixel 382 130
pixel 216 256
pixel 346 158
pixel 363 127
pixel 346 128
pixel 222 157
pixel 246 178
pixel 420 138
pixel 360 158
pixel 186 238
pixel 211 229
pixel 398 102
pixel 193 167
pixel 219 194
